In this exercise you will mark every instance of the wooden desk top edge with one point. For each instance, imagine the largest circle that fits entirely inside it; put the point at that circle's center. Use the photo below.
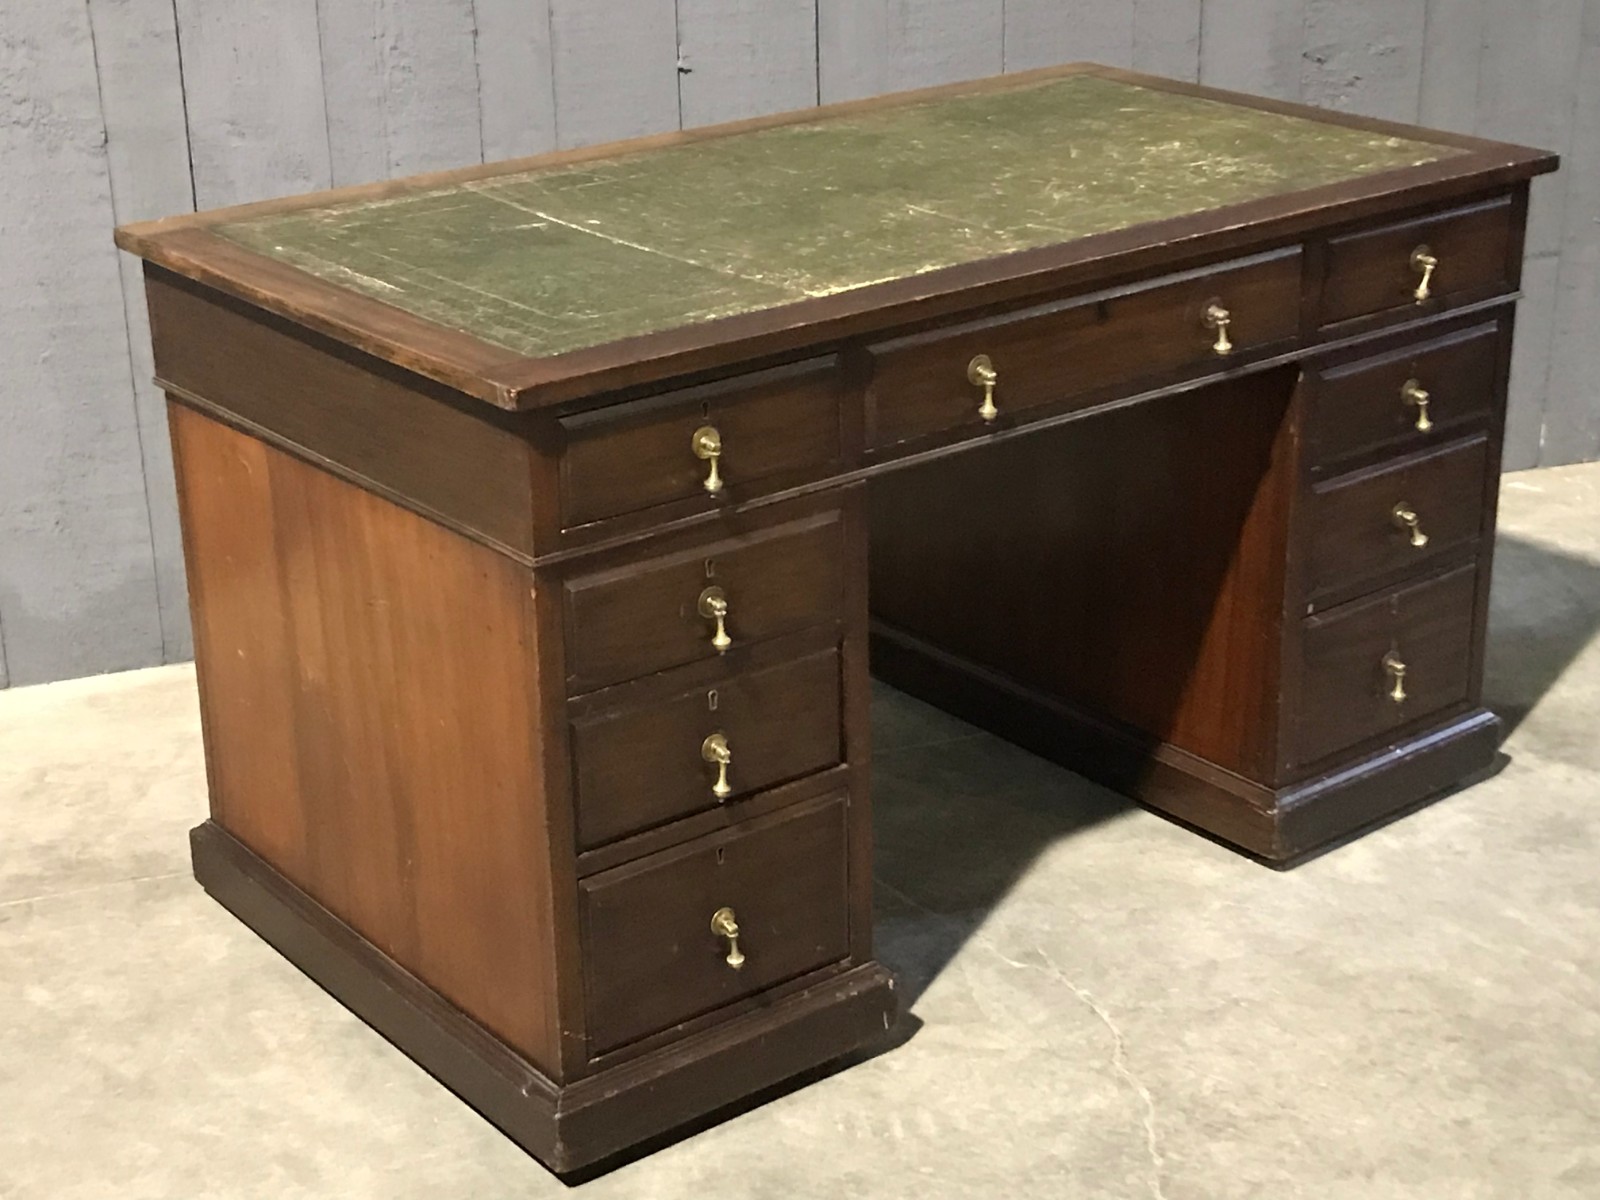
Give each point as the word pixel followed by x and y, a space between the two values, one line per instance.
pixel 187 246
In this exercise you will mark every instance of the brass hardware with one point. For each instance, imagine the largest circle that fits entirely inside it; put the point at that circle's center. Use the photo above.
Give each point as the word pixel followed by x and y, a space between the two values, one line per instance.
pixel 1219 318
pixel 715 750
pixel 1416 396
pixel 707 444
pixel 1422 259
pixel 713 606
pixel 1405 517
pixel 1397 672
pixel 724 925
pixel 981 373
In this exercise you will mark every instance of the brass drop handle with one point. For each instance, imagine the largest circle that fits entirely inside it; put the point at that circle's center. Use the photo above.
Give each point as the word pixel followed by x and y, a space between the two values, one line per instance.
pixel 724 925
pixel 1405 517
pixel 1396 670
pixel 1422 259
pixel 1219 318
pixel 707 445
pixel 1416 396
pixel 981 373
pixel 713 606
pixel 715 750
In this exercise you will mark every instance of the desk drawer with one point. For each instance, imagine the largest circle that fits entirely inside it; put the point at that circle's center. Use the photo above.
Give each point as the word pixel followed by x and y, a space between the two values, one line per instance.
pixel 1348 688
pixel 651 957
pixel 644 765
pixel 1358 528
pixel 649 616
pixel 1373 271
pixel 770 427
pixel 920 383
pixel 1408 398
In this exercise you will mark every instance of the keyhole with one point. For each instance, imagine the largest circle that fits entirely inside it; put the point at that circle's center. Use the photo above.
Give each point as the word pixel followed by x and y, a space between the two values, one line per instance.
pixel 711 568
pixel 711 700
pixel 721 853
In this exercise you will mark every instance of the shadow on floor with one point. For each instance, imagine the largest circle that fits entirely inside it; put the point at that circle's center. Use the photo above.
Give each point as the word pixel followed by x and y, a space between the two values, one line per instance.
pixel 1546 610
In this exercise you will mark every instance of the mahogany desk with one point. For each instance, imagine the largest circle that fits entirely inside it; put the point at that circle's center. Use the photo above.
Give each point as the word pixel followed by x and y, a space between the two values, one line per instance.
pixel 530 513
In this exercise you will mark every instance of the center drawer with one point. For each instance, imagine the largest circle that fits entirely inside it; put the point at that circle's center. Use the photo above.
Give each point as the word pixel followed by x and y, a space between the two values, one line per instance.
pixel 647 762
pixel 927 382
pixel 663 612
pixel 651 955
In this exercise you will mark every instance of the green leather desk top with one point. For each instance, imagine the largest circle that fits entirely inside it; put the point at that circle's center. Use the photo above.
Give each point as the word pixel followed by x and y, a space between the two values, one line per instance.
pixel 561 258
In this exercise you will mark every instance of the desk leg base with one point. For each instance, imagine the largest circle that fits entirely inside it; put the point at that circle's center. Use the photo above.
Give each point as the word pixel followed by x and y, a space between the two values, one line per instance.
pixel 1279 825
pixel 569 1127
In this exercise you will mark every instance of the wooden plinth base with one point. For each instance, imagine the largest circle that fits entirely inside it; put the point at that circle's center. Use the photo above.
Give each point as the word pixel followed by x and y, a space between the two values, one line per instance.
pixel 1281 825
pixel 567 1127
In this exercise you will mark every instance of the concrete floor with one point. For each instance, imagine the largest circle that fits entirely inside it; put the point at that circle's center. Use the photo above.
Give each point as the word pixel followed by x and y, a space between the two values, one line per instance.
pixel 1109 1006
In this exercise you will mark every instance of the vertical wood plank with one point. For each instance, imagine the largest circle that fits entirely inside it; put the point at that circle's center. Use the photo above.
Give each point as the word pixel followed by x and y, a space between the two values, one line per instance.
pixel 1452 58
pixel 746 59
pixel 1253 46
pixel 1166 37
pixel 1364 56
pixel 615 70
pixel 147 149
pixel 1042 33
pixel 258 124
pixel 77 578
pixel 516 96
pixel 400 80
pixel 1571 422
pixel 867 47
pixel 1530 364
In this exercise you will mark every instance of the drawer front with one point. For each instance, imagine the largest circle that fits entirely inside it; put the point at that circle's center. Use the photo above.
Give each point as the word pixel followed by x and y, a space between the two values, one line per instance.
pixel 651 957
pixel 646 765
pixel 1359 530
pixel 920 384
pixel 1408 398
pixel 649 616
pixel 1374 272
pixel 1348 690
pixel 775 426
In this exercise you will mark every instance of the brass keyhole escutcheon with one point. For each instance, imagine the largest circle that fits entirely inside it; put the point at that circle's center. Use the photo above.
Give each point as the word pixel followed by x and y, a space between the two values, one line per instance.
pixel 1219 318
pixel 713 606
pixel 715 751
pixel 707 445
pixel 1395 668
pixel 1423 260
pixel 725 925
pixel 981 373
pixel 1405 517
pixel 1417 397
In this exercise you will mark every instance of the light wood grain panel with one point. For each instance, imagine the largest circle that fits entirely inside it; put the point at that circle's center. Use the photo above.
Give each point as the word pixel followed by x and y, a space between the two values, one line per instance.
pixel 1452 59
pixel 1253 46
pixel 147 151
pixel 367 678
pixel 516 89
pixel 1166 37
pixel 746 58
pixel 252 75
pixel 615 71
pixel 401 85
pixel 1364 56
pixel 865 47
pixel 1041 33
pixel 77 581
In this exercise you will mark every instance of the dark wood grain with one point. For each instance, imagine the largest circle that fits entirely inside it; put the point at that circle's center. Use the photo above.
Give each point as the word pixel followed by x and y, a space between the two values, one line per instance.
pixel 640 765
pixel 1345 691
pixel 1371 271
pixel 364 738
pixel 1358 408
pixel 436 451
pixel 1354 539
pixel 1114 565
pixel 644 617
pixel 776 427
pixel 652 959
pixel 919 383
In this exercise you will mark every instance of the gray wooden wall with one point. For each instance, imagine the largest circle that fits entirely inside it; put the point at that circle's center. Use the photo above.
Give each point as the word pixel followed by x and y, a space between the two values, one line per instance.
pixel 119 110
